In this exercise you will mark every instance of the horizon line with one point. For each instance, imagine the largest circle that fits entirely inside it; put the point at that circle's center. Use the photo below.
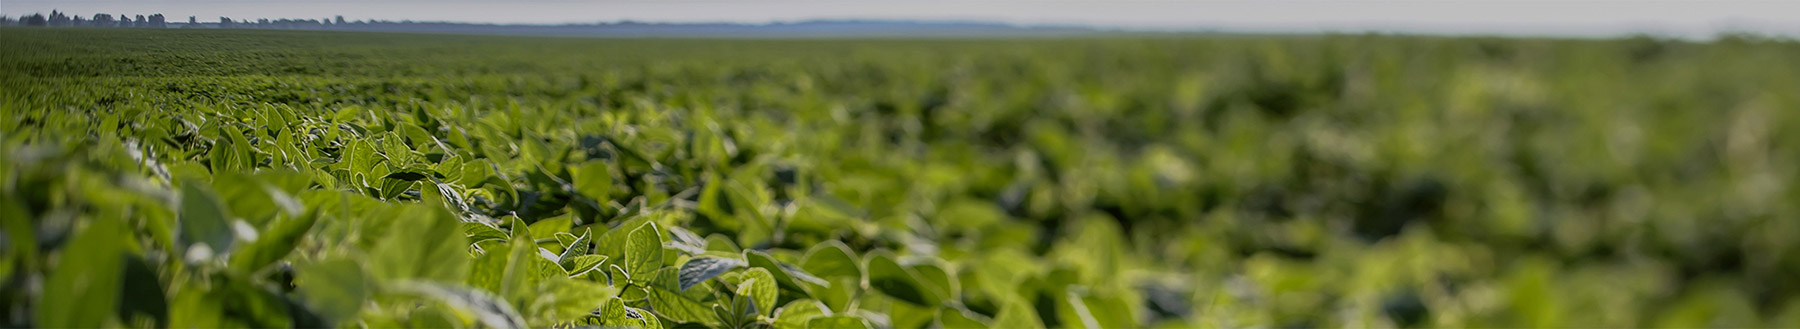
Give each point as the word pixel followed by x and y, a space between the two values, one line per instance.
pixel 1721 29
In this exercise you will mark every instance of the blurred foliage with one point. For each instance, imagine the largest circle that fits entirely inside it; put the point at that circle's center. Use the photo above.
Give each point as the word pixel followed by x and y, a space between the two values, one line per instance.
pixel 218 178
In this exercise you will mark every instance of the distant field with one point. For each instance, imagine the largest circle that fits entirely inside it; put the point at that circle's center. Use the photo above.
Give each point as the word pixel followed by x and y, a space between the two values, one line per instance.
pixel 229 178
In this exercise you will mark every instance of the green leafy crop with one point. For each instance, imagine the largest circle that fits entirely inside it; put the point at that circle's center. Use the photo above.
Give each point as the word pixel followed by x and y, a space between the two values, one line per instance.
pixel 221 178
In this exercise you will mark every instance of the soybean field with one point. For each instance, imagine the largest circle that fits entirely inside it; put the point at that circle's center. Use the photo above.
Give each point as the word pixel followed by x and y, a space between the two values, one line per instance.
pixel 187 178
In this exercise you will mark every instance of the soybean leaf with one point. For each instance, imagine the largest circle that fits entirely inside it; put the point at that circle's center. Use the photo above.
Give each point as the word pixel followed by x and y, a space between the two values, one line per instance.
pixel 951 317
pixel 432 247
pixel 204 220
pixel 548 227
pixel 408 175
pixel 644 251
pixel 273 244
pixel 489 268
pixel 886 276
pixel 581 246
pixel 85 286
pixel 565 240
pixel 489 310
pixel 936 278
pixel 614 314
pixel 686 241
pixel 520 271
pixel 700 269
pixel 787 276
pixel 678 308
pixel 479 231
pixel 144 292
pixel 335 289
pixel 838 322
pixel 760 285
pixel 593 181
pixel 797 313
pixel 258 305
pixel 570 299
pixel 579 265
pixel 548 268
pixel 612 243
pixel 832 259
pixel 1017 314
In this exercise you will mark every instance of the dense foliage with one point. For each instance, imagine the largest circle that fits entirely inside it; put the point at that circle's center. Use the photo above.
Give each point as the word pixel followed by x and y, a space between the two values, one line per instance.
pixel 218 178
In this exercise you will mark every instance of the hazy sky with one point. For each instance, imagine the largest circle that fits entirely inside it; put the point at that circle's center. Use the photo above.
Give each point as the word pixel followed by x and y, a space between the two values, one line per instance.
pixel 1534 17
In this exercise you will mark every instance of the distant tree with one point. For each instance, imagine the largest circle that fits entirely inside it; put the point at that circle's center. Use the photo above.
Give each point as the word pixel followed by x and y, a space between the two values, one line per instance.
pixel 141 21
pixel 340 19
pixel 125 21
pixel 6 21
pixel 104 20
pixel 224 21
pixel 35 20
pixel 158 21
pixel 78 21
pixel 193 21
pixel 58 19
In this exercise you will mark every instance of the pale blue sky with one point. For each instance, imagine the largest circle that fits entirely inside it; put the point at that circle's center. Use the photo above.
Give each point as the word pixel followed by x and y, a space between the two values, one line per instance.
pixel 1688 18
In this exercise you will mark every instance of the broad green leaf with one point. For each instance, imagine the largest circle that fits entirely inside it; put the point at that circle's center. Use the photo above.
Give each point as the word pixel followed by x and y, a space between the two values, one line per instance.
pixel 644 251
pixel 838 322
pixel 479 231
pixel 335 289
pixel 144 293
pixel 937 279
pixel 489 310
pixel 391 188
pixel 685 241
pixel 274 243
pixel 548 227
pixel 840 293
pixel 432 247
pixel 520 271
pixel 446 195
pixel 488 271
pixel 670 278
pixel 253 199
pixel 951 317
pixel 787 276
pixel 832 259
pixel 580 265
pixel 548 268
pixel 192 307
pixel 797 313
pixel 204 220
pixel 572 299
pixel 1017 314
pixel 760 285
pixel 231 301
pixel 408 175
pixel 614 314
pixel 742 309
pixel 593 181
pixel 582 245
pixel 700 269
pixel 679 308
pixel 1105 312
pixel 613 242
pixel 566 240
pixel 888 277
pixel 84 287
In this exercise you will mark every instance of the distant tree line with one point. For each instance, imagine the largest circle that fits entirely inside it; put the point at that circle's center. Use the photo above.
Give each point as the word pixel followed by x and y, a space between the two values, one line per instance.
pixel 60 19
pixel 608 29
